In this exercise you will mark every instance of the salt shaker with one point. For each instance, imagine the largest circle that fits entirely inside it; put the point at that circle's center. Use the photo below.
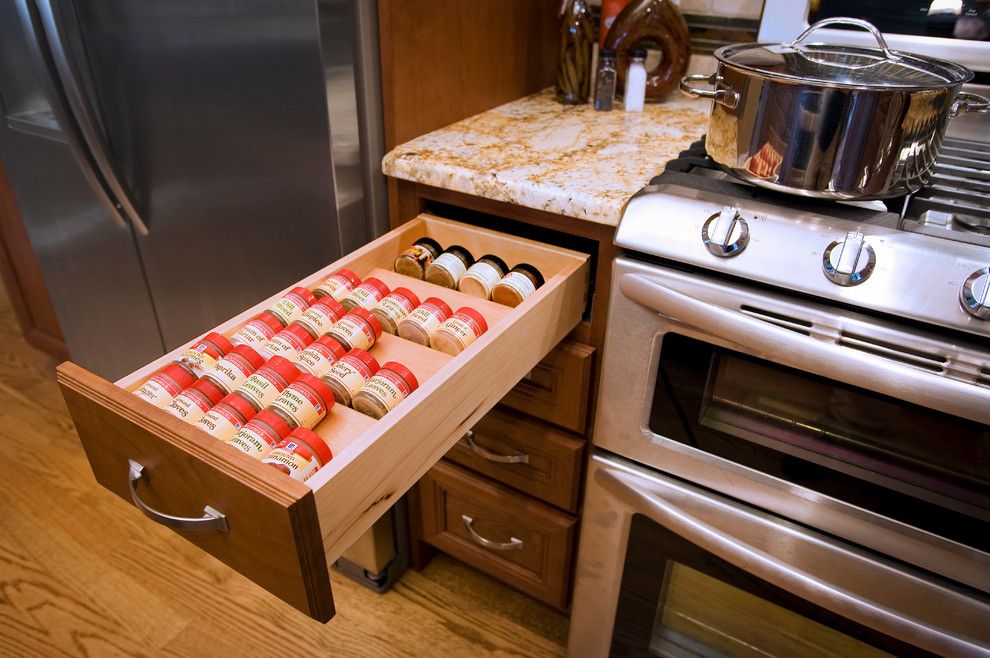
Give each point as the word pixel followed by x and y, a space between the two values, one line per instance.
pixel 605 80
pixel 636 81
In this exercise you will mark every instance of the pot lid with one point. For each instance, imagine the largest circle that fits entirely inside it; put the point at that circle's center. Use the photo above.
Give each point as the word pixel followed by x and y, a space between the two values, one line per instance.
pixel 841 65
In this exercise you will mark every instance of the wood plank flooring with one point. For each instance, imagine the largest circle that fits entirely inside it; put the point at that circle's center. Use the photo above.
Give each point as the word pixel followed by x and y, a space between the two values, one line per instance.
pixel 82 573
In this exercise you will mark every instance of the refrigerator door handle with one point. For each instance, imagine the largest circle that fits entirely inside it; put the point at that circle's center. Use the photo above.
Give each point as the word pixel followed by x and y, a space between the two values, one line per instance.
pixel 84 116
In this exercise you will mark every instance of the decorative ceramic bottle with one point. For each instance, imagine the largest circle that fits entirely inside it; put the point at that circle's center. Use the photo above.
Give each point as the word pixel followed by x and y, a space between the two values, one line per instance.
pixel 656 25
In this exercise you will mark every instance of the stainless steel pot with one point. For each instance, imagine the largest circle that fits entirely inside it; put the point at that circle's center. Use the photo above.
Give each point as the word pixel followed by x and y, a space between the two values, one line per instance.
pixel 831 121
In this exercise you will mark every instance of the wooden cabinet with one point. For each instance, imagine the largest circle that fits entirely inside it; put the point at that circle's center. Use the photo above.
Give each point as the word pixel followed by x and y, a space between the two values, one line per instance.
pixel 281 533
pixel 556 390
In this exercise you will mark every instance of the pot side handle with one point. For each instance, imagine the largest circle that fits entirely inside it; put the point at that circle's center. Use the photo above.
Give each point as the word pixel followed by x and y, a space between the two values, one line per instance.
pixel 727 97
pixel 966 102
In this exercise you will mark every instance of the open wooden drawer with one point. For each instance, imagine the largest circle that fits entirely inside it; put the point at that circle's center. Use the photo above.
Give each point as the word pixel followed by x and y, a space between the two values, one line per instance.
pixel 282 534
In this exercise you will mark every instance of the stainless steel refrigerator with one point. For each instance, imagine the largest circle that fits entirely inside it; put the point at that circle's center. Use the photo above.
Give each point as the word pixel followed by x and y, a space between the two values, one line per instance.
pixel 177 161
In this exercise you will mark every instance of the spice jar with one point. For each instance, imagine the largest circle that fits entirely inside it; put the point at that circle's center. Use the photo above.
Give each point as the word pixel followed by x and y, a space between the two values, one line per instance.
pixel 258 330
pixel 267 382
pixel 605 81
pixel 416 259
pixel 228 416
pixel 349 375
pixel 162 387
pixel 366 296
pixel 261 434
pixel 397 305
pixel 459 331
pixel 318 318
pixel 319 356
pixel 300 454
pixel 230 371
pixel 358 329
pixel 449 267
pixel 337 285
pixel 481 277
pixel 521 282
pixel 191 404
pixel 304 403
pixel 287 343
pixel 392 384
pixel 291 305
pixel 423 322
pixel 204 354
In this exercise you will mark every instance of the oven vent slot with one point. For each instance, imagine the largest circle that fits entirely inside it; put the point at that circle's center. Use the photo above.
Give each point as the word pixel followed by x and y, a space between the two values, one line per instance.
pixel 786 321
pixel 984 377
pixel 918 358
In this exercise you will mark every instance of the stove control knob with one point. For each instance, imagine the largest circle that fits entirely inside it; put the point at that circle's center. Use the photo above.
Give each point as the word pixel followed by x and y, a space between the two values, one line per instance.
pixel 725 233
pixel 975 294
pixel 850 261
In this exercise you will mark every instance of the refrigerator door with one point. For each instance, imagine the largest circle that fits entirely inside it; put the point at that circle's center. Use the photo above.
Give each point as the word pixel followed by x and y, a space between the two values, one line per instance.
pixel 216 116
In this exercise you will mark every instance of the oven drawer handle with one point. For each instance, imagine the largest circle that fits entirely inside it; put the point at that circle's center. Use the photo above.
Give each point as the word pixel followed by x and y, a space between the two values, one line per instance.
pixel 485 453
pixel 825 359
pixel 514 544
pixel 211 519
pixel 772 570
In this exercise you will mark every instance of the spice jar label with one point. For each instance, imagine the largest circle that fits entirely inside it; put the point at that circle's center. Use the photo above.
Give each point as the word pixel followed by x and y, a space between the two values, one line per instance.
pixel 197 361
pixel 261 388
pixel 300 406
pixel 282 344
pixel 486 274
pixel 353 374
pixel 519 282
pixel 220 422
pixel 365 296
pixel 229 372
pixel 288 308
pixel 290 460
pixel 188 407
pixel 315 359
pixel 254 439
pixel 253 332
pixel 336 286
pixel 318 318
pixel 355 331
pixel 159 390
pixel 452 264
pixel 388 387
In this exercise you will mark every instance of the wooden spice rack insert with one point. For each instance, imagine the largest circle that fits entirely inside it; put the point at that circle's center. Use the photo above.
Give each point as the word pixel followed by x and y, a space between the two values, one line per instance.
pixel 282 533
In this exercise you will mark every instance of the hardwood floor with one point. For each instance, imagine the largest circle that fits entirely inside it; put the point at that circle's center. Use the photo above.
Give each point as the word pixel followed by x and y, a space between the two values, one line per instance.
pixel 82 573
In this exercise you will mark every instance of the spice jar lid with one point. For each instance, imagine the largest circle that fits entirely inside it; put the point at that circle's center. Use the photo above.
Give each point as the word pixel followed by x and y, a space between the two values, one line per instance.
pixel 497 262
pixel 220 341
pixel 431 245
pixel 299 332
pixel 365 358
pixel 474 315
pixel 333 345
pixel 211 391
pixel 377 284
pixel 181 376
pixel 271 320
pixel 240 405
pixel 274 421
pixel 353 278
pixel 530 271
pixel 333 306
pixel 367 316
pixel 461 253
pixel 313 441
pixel 408 294
pixel 319 387
pixel 440 304
pixel 283 368
pixel 306 295
pixel 250 355
pixel 403 372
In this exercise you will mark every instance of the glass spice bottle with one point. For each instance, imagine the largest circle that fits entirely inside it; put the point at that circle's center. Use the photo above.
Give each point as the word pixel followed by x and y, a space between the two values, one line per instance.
pixel 605 81
pixel 414 260
pixel 574 63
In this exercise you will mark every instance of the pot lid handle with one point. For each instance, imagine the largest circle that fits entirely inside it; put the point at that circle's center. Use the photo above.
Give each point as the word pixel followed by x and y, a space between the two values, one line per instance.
pixel 845 20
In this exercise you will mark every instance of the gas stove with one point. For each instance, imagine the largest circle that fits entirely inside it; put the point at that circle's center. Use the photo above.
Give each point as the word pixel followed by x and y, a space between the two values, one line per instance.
pixel 923 258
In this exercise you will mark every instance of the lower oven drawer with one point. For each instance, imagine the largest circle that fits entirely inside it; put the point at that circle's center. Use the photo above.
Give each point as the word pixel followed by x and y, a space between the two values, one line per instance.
pixel 511 537
pixel 280 533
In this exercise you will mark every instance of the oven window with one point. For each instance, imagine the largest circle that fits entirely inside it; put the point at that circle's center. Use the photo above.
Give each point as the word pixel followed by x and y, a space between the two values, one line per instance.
pixel 950 19
pixel 920 466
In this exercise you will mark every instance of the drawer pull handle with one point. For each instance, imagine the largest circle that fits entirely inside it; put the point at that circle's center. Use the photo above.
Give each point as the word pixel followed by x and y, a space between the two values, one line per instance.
pixel 485 453
pixel 513 544
pixel 211 519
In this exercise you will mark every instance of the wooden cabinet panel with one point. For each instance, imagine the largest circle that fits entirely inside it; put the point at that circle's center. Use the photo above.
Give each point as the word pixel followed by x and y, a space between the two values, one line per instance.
pixel 556 390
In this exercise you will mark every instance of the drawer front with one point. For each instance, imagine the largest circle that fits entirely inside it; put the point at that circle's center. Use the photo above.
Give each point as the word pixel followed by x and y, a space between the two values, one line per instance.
pixel 556 390
pixel 282 534
pixel 508 536
pixel 535 458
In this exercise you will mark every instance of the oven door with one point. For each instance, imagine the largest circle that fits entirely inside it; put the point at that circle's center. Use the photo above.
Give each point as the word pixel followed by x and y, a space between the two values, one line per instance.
pixel 673 570
pixel 864 429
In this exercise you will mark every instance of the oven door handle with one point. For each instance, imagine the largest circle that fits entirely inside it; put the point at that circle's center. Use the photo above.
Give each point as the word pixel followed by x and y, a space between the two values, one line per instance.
pixel 817 356
pixel 772 570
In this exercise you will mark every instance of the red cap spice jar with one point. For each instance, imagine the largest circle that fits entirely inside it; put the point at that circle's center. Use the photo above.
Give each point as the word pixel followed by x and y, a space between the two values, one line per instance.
pixel 392 384
pixel 261 434
pixel 287 343
pixel 227 417
pixel 318 318
pixel 300 454
pixel 192 404
pixel 521 282
pixel 267 382
pixel 258 330
pixel 449 267
pixel 482 277
pixel 164 385
pixel 304 403
pixel 414 260
pixel 460 330
pixel 291 305
pixel 230 371
pixel 204 353
pixel 366 296
pixel 397 305
pixel 349 374
pixel 425 319
pixel 319 356
pixel 358 329
pixel 337 285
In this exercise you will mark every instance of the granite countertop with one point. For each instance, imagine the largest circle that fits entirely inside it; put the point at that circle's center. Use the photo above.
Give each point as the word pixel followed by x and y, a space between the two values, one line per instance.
pixel 537 153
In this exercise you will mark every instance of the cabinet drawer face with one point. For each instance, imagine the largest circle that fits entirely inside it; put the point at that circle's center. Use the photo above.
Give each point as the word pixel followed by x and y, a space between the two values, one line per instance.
pixel 556 390
pixel 508 536
pixel 281 533
pixel 535 458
